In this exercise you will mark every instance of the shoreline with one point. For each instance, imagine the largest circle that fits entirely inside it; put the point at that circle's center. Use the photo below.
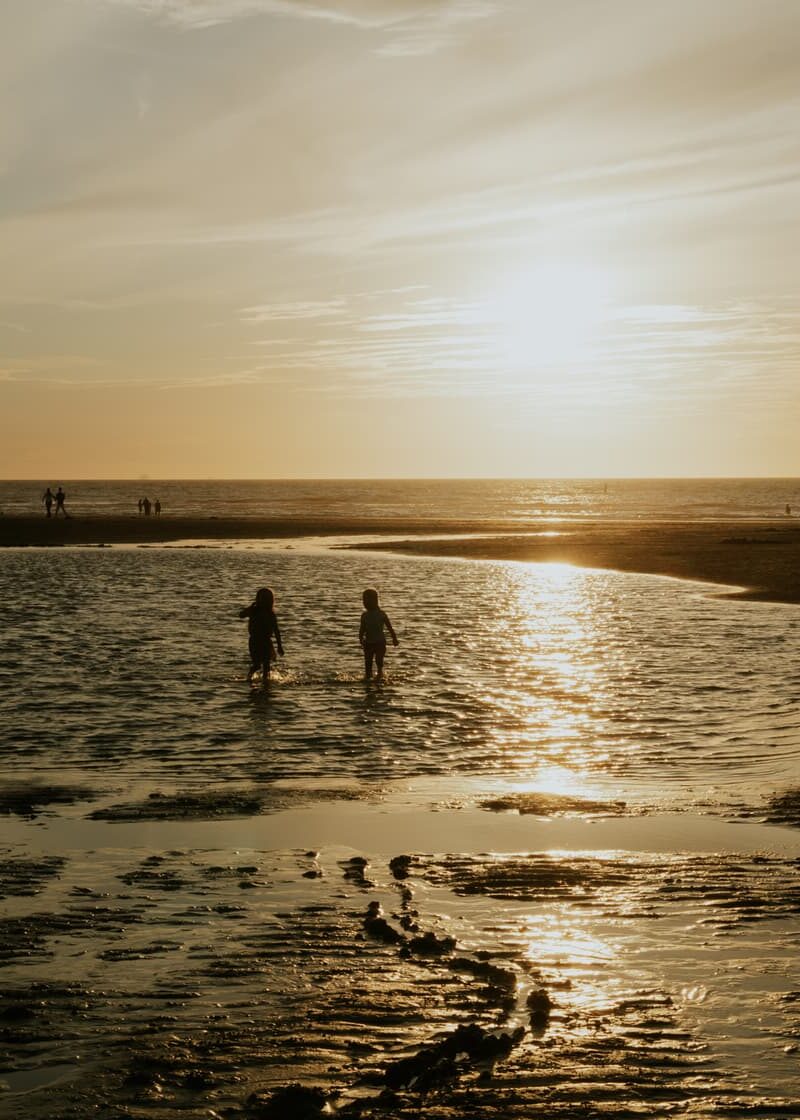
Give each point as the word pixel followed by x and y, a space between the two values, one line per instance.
pixel 478 890
pixel 759 560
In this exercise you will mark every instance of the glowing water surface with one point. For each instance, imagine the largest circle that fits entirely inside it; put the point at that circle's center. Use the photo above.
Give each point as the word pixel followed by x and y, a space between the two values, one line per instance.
pixel 670 956
pixel 128 666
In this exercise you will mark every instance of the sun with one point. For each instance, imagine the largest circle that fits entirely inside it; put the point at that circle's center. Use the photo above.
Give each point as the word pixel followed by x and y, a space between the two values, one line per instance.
pixel 549 313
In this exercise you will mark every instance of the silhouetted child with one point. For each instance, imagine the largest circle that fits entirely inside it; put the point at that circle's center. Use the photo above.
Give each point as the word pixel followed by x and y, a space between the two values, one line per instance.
pixel 262 626
pixel 371 633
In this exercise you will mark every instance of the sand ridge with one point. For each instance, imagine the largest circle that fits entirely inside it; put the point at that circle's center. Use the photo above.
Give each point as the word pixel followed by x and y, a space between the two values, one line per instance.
pixel 760 559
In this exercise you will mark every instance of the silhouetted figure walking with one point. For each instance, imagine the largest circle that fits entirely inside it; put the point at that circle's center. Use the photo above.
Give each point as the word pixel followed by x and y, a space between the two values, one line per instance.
pixel 60 497
pixel 262 627
pixel 48 500
pixel 371 633
pixel 147 506
pixel 157 507
pixel 140 505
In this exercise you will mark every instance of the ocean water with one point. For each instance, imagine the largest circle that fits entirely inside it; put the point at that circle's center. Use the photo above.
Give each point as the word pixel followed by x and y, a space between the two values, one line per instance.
pixel 167 967
pixel 474 499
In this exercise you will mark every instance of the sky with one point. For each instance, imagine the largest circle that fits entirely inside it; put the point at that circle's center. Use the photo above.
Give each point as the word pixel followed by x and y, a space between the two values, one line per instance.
pixel 399 238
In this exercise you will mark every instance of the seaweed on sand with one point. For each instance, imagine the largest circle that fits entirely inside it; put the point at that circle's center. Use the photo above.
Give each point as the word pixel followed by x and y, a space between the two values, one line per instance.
pixel 551 804
pixel 784 808
pixel 27 800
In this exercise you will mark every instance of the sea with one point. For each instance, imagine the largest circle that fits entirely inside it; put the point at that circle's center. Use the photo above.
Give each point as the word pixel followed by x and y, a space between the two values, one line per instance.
pixel 473 499
pixel 585 770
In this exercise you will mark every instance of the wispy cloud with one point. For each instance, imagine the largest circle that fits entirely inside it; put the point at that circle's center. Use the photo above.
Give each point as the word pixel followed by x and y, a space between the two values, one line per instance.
pixel 426 345
pixel 414 26
pixel 56 369
pixel 300 309
pixel 518 210
pixel 680 359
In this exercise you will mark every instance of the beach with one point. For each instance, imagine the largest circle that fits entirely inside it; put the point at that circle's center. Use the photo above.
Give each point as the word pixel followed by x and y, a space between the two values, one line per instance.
pixel 760 558
pixel 548 867
pixel 399 560
pixel 493 966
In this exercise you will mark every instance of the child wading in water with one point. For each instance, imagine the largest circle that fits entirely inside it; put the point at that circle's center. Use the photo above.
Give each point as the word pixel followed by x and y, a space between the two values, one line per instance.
pixel 262 626
pixel 370 633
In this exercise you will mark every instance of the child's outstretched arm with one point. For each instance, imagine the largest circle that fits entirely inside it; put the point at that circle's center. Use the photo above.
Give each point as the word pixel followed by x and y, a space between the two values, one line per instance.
pixel 362 630
pixel 395 640
pixel 245 611
pixel 277 631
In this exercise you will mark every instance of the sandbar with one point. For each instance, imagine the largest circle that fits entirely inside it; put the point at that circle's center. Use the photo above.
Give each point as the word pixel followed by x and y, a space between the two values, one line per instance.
pixel 758 560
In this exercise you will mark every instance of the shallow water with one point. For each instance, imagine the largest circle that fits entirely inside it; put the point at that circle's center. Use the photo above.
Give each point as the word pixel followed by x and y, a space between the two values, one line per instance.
pixel 163 967
pixel 127 667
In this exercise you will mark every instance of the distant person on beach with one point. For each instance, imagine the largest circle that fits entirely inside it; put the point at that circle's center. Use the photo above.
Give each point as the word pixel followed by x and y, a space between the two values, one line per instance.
pixel 147 506
pixel 157 507
pixel 788 510
pixel 262 627
pixel 371 633
pixel 140 504
pixel 48 500
pixel 60 498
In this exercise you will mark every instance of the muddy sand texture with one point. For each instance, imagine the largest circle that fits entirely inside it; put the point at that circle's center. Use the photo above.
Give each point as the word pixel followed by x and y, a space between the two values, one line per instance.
pixel 552 804
pixel 33 798
pixel 216 804
pixel 375 1011
pixel 763 557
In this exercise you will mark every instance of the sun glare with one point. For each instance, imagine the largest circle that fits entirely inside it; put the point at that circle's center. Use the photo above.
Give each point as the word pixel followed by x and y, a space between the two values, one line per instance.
pixel 547 314
pixel 560 781
pixel 552 681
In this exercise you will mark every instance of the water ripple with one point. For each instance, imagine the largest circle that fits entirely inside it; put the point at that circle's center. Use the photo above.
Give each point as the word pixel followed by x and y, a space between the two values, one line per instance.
pixel 132 663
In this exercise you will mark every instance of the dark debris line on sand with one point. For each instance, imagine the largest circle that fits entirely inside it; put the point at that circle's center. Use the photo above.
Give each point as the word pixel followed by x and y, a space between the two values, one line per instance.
pixel 30 799
pixel 784 808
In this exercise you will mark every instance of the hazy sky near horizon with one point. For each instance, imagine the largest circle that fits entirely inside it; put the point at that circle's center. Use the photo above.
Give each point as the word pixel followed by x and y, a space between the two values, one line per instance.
pixel 263 238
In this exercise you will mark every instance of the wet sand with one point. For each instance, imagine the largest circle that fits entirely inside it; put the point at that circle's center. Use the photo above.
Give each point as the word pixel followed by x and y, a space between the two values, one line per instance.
pixel 250 968
pixel 761 560
pixel 461 950
pixel 454 948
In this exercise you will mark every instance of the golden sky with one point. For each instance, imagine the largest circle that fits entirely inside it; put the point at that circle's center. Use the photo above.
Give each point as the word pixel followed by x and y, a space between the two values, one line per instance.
pixel 264 238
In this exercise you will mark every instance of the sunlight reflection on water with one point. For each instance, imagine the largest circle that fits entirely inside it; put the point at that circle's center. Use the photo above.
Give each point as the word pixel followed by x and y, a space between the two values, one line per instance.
pixel 124 670
pixel 550 677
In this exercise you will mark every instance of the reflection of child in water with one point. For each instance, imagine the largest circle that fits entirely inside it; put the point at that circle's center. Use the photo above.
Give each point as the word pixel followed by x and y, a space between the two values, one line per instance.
pixel 262 626
pixel 370 633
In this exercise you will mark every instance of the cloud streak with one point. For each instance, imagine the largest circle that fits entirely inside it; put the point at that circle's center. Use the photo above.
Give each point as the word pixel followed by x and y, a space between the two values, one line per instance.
pixel 413 27
pixel 675 353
